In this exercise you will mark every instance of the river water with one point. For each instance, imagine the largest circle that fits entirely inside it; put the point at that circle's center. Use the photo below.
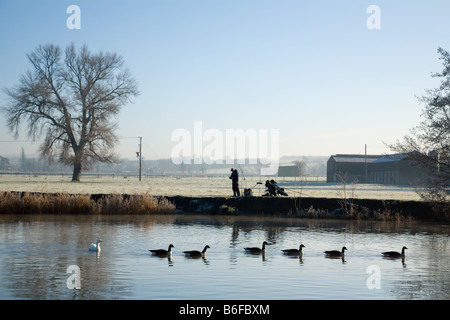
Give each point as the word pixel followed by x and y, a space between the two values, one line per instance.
pixel 38 254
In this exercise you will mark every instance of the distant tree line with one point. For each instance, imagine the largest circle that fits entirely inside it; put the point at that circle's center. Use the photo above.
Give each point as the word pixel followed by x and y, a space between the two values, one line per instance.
pixel 25 164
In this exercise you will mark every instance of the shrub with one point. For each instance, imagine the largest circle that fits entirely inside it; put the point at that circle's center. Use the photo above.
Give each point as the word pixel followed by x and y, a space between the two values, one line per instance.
pixel 41 203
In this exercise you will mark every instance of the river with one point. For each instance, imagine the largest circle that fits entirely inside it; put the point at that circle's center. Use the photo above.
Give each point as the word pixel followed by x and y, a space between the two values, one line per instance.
pixel 39 253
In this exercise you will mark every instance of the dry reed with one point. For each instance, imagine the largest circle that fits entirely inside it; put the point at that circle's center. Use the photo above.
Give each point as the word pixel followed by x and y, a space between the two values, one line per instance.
pixel 43 203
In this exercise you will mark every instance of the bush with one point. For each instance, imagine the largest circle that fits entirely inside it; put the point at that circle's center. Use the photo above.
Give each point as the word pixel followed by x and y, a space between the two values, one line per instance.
pixel 41 203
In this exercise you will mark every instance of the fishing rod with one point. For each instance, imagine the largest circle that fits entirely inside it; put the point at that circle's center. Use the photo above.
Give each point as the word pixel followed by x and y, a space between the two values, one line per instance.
pixel 242 171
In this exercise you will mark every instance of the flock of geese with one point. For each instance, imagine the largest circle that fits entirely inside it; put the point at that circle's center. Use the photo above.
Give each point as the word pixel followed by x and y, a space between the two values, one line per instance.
pixel 254 250
pixel 257 250
pixel 191 253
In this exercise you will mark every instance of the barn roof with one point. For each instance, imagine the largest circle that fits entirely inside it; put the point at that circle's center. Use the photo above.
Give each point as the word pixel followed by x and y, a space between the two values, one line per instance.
pixel 391 157
pixel 354 158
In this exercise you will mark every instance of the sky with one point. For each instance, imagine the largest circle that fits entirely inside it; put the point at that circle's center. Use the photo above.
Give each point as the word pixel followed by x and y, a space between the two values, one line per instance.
pixel 313 70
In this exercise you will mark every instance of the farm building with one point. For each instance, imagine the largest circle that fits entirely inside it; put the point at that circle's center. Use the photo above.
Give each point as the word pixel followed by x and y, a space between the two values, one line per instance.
pixel 381 169
pixel 289 171
pixel 351 167
pixel 396 169
pixel 4 164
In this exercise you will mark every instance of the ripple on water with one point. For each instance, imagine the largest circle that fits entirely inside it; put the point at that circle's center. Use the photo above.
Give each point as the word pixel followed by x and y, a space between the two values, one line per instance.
pixel 36 255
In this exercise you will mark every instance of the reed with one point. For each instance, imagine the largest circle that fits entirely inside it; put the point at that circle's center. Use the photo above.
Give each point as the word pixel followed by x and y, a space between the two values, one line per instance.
pixel 44 203
pixel 133 204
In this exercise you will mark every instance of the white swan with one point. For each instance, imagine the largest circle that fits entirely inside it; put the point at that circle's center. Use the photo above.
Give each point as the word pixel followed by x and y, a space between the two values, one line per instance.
pixel 95 247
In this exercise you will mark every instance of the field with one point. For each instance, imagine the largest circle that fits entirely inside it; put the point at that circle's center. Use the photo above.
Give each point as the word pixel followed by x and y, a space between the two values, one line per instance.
pixel 198 186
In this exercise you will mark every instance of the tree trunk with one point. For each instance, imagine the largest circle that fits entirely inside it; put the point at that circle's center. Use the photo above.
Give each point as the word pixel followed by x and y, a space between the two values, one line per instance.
pixel 76 171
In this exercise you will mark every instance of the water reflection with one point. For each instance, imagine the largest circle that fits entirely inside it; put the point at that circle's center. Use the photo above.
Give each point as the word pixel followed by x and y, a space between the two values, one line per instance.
pixel 166 256
pixel 402 259
pixel 261 254
pixel 37 250
pixel 342 258
pixel 205 261
pixel 295 257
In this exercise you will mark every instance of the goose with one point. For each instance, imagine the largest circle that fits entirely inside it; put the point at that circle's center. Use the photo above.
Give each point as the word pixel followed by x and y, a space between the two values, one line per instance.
pixel 162 252
pixel 195 253
pixel 394 254
pixel 256 249
pixel 336 253
pixel 95 247
pixel 294 251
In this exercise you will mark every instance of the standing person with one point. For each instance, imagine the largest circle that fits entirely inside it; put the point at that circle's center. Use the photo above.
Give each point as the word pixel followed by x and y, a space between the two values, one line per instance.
pixel 235 182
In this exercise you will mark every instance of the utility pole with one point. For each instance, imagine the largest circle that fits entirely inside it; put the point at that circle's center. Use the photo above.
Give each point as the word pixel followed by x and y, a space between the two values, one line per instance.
pixel 140 158
pixel 365 161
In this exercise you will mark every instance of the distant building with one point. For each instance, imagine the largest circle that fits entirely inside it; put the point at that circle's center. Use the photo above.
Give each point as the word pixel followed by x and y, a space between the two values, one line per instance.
pixel 380 169
pixel 396 169
pixel 289 171
pixel 4 164
pixel 351 167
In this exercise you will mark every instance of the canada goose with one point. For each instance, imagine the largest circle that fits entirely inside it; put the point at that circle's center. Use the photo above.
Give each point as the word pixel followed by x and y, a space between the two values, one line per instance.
pixel 95 247
pixel 336 253
pixel 256 249
pixel 294 251
pixel 195 253
pixel 162 252
pixel 394 254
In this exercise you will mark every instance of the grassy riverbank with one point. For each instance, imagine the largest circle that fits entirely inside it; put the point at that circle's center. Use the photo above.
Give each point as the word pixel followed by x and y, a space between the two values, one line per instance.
pixel 40 194
pixel 185 186
pixel 322 208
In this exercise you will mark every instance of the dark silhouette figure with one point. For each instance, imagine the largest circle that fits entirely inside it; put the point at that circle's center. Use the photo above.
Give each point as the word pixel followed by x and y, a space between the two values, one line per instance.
pixel 273 189
pixel 235 182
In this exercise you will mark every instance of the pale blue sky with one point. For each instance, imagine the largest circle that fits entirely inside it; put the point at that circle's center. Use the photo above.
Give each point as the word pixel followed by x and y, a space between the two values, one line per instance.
pixel 311 69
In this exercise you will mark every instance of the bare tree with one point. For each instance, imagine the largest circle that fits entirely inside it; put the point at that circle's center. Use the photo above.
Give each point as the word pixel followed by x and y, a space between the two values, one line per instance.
pixel 301 165
pixel 429 142
pixel 71 101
